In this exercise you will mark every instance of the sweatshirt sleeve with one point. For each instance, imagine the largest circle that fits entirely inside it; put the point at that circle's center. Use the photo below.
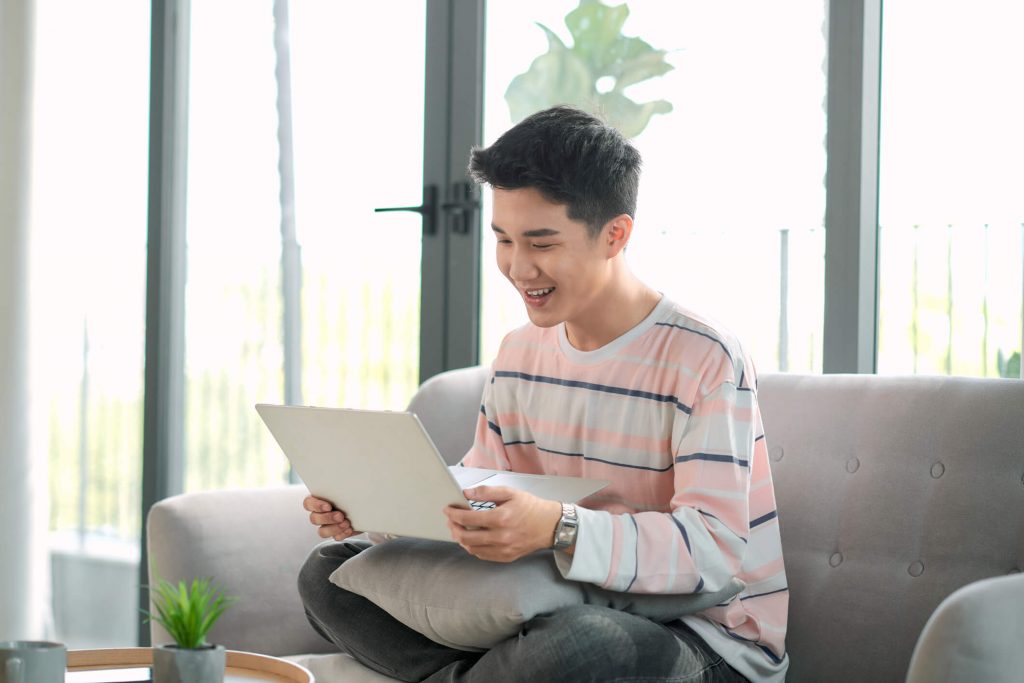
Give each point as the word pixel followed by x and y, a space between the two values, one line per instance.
pixel 700 544
pixel 488 449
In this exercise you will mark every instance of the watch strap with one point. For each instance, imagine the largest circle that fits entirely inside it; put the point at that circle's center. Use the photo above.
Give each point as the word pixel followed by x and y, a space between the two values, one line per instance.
pixel 565 530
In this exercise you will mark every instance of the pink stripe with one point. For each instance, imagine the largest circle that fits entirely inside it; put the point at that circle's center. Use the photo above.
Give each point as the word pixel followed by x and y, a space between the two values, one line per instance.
pixel 583 433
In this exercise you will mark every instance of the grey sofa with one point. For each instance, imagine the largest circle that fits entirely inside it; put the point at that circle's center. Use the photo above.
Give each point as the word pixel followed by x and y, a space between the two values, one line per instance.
pixel 901 504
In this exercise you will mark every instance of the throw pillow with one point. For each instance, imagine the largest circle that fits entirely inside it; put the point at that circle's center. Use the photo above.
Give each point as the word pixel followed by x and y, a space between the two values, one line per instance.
pixel 455 599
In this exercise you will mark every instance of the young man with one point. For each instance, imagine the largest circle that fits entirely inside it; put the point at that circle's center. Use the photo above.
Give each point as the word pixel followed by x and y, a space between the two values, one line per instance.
pixel 609 380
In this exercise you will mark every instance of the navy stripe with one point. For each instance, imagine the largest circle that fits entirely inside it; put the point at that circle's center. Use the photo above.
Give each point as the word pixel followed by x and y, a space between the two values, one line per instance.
pixel 619 464
pixel 758 438
pixel 771 655
pixel 713 458
pixel 636 559
pixel 714 339
pixel 496 428
pixel 482 411
pixel 636 393
pixel 764 518
pixel 758 595
pixel 518 443
pixel 700 585
pixel 682 530
pixel 588 458
pixel 708 514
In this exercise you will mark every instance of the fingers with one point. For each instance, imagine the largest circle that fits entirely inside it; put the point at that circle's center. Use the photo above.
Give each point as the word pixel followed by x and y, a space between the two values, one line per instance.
pixel 314 504
pixel 496 494
pixel 334 517
pixel 330 523
pixel 476 518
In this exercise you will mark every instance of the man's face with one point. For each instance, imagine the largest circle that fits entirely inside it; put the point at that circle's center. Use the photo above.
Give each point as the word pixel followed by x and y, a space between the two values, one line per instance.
pixel 559 271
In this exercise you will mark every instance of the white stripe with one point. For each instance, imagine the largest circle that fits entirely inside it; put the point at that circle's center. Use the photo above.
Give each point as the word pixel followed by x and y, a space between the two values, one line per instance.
pixel 705 549
pixel 625 573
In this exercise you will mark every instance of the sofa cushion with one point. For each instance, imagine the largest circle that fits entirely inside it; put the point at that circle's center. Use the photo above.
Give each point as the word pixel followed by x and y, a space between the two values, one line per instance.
pixel 458 600
pixel 892 493
pixel 976 634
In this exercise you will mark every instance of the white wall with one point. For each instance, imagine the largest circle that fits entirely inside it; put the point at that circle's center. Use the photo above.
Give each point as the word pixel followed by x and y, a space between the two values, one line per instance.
pixel 24 574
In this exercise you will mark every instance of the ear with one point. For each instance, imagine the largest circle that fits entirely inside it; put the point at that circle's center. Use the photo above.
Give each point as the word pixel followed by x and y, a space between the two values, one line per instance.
pixel 616 233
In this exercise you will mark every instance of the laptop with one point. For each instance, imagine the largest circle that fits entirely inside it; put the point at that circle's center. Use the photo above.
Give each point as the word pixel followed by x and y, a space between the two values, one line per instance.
pixel 384 471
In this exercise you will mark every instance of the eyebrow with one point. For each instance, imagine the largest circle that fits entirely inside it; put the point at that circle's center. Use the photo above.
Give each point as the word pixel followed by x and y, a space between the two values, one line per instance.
pixel 539 232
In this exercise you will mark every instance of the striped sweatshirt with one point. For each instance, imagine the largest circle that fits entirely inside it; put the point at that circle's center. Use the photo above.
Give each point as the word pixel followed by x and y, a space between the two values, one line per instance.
pixel 668 413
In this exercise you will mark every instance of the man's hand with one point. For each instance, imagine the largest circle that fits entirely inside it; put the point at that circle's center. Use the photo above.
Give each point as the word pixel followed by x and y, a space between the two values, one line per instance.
pixel 519 524
pixel 332 523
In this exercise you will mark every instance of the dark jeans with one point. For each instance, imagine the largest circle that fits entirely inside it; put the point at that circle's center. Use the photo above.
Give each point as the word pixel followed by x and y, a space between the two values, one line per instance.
pixel 582 643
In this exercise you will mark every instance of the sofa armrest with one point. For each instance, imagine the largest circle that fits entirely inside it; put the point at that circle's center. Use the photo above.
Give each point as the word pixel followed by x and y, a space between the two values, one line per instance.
pixel 976 634
pixel 252 543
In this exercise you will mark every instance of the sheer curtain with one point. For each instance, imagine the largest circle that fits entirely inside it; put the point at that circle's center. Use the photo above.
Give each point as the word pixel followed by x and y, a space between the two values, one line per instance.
pixel 24 574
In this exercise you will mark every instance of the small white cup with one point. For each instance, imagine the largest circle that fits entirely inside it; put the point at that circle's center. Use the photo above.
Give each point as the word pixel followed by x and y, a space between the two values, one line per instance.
pixel 32 661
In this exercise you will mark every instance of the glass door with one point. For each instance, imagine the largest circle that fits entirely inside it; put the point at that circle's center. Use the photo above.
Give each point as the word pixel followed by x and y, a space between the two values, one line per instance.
pixel 355 94
pixel 951 211
pixel 726 108
pixel 88 308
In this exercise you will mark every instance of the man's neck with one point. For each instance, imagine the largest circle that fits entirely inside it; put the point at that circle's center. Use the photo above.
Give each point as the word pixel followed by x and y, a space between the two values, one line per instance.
pixel 620 310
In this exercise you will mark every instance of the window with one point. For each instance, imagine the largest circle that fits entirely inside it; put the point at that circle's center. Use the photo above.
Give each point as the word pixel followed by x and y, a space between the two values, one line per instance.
pixel 731 209
pixel 357 106
pixel 951 213
pixel 88 241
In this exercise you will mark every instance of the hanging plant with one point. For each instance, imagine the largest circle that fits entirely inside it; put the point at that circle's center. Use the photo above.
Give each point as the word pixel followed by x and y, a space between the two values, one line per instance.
pixel 593 73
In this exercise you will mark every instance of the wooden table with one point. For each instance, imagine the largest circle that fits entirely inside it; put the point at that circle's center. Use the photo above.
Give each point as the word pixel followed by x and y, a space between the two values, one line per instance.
pixel 242 667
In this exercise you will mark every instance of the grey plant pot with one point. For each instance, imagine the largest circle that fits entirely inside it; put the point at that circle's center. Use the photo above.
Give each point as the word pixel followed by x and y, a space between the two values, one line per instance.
pixel 172 664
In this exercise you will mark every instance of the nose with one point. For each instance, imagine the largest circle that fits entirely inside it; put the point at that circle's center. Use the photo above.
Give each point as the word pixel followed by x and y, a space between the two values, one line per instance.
pixel 521 266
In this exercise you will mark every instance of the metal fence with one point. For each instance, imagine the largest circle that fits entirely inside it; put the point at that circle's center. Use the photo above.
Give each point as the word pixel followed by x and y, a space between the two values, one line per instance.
pixel 950 298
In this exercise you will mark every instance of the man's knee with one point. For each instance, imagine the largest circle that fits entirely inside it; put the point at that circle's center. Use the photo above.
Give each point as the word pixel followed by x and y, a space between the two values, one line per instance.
pixel 322 561
pixel 586 632
pixel 588 638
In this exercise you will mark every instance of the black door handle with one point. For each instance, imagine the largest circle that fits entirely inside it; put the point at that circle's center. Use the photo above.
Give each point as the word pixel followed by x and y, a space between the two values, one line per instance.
pixel 428 209
pixel 462 206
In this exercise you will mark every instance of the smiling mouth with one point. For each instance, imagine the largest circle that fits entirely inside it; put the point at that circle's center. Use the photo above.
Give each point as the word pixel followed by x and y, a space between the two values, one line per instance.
pixel 537 296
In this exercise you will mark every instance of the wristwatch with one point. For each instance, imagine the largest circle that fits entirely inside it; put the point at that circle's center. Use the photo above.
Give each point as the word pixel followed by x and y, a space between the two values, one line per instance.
pixel 565 531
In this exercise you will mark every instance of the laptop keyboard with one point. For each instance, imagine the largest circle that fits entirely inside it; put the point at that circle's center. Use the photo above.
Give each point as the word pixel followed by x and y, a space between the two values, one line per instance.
pixel 482 505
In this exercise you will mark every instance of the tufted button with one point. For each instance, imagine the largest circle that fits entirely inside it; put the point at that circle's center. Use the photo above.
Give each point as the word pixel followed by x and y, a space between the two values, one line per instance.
pixel 852 465
pixel 938 469
pixel 916 569
pixel 776 453
pixel 836 559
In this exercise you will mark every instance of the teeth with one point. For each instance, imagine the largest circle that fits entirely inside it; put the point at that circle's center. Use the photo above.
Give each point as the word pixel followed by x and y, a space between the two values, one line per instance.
pixel 540 292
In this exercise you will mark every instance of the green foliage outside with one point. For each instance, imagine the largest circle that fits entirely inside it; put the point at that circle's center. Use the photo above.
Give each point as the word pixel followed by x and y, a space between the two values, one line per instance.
pixel 1009 367
pixel 571 74
pixel 188 612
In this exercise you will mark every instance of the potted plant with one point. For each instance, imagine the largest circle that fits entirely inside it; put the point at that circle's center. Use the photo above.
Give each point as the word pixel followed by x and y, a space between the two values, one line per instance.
pixel 188 613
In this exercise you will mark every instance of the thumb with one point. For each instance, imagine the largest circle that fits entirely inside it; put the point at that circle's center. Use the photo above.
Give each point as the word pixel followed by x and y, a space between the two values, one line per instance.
pixel 496 494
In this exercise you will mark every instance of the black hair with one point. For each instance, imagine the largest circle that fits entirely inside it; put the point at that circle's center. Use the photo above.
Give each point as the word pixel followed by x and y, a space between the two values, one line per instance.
pixel 571 158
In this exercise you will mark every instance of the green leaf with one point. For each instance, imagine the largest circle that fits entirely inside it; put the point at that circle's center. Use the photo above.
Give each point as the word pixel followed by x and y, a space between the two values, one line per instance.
pixel 628 116
pixel 554 42
pixel 639 68
pixel 188 611
pixel 595 28
pixel 556 77
pixel 569 76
